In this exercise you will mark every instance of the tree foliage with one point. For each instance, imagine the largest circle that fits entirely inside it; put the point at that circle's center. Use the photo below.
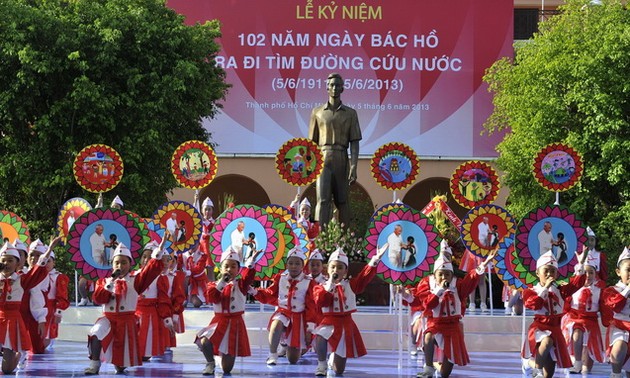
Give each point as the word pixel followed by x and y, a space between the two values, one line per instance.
pixel 570 84
pixel 126 73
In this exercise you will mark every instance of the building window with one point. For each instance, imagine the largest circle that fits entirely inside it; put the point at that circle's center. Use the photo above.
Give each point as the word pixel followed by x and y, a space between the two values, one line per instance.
pixel 525 22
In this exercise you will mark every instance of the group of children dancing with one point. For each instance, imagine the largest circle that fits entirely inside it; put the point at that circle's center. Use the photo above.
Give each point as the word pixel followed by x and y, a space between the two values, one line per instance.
pixel 143 309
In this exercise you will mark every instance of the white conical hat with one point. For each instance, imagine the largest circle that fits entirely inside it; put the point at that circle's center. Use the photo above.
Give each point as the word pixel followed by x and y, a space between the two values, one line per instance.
pixel 207 203
pixel 305 202
pixel 117 201
pixel 38 246
pixel 297 252
pixel 623 256
pixel 20 246
pixel 338 255
pixel 442 263
pixel 316 255
pixel 122 249
pixel 592 259
pixel 151 245
pixel 9 249
pixel 547 258
pixel 590 232
pixel 231 254
pixel 445 248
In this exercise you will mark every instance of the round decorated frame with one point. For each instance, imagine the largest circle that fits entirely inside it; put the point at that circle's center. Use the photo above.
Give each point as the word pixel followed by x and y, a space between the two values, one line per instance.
pixel 394 166
pixel 527 246
pixel 194 164
pixel 186 212
pixel 299 162
pixel 474 183
pixel 558 167
pixel 414 223
pixel 78 206
pixel 85 172
pixel 13 227
pixel 505 222
pixel 115 221
pixel 505 265
pixel 265 226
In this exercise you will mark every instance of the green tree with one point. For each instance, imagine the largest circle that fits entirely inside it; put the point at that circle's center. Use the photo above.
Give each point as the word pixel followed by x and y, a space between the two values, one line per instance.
pixel 570 84
pixel 126 73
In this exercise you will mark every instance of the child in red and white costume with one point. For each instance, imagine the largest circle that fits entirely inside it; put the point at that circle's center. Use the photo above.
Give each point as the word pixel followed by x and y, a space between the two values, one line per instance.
pixel 292 294
pixel 545 343
pixel 177 294
pixel 337 333
pixel 114 336
pixel 56 293
pixel 207 224
pixel 316 267
pixel 154 310
pixel 23 249
pixel 34 304
pixel 226 335
pixel 597 256
pixel 14 339
pixel 580 324
pixel 618 335
pixel 304 218
pixel 195 262
pixel 443 298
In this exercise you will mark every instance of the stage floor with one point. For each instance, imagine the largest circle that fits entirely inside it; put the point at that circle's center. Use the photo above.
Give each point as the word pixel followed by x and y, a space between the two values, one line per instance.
pixel 68 359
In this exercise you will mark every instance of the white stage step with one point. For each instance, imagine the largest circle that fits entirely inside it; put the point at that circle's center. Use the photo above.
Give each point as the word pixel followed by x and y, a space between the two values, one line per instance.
pixel 498 332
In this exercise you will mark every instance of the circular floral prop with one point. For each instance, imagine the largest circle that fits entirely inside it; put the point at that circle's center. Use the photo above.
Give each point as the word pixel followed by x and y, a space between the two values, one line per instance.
pixel 299 162
pixel 194 164
pixel 558 167
pixel 474 183
pixel 93 238
pixel 156 232
pixel 69 212
pixel 13 227
pixel 484 226
pixel 550 227
pixel 98 168
pixel 143 226
pixel 418 234
pixel 284 241
pixel 395 166
pixel 505 266
pixel 284 212
pixel 182 221
pixel 388 207
pixel 259 228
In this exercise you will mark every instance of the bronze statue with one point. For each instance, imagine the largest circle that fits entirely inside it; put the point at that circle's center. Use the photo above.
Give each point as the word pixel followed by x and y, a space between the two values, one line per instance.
pixel 335 127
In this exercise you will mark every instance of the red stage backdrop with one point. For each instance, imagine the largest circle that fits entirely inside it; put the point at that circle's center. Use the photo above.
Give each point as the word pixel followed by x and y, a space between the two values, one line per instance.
pixel 413 69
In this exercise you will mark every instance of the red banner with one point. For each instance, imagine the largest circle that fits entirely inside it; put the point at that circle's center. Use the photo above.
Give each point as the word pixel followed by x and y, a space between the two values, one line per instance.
pixel 413 69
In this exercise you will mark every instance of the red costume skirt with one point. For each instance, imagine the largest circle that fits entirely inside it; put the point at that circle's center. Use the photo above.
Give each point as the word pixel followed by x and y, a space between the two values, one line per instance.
pixel 152 332
pixel 548 324
pixel 295 327
pixel 228 335
pixel 449 336
pixel 120 342
pixel 341 330
pixel 587 323
pixel 13 332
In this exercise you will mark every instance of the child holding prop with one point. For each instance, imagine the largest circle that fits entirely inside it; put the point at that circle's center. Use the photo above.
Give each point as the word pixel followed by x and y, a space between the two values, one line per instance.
pixel 14 338
pixel 226 334
pixel 177 294
pixel 114 336
pixel 337 332
pixel 580 324
pixel 444 295
pixel 616 298
pixel 545 342
pixel 292 294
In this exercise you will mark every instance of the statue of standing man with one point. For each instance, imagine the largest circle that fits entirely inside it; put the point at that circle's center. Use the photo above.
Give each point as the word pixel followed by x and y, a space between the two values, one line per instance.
pixel 334 127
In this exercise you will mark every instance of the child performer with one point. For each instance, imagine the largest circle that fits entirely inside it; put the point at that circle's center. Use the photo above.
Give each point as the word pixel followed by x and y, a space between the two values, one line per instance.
pixel 14 339
pixel 195 267
pixel 114 336
pixel 226 334
pixel 292 294
pixel 154 310
pixel 580 325
pixel 616 298
pixel 303 218
pixel 316 267
pixel 337 332
pixel 56 293
pixel 23 249
pixel 443 301
pixel 545 342
pixel 177 293
pixel 34 304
